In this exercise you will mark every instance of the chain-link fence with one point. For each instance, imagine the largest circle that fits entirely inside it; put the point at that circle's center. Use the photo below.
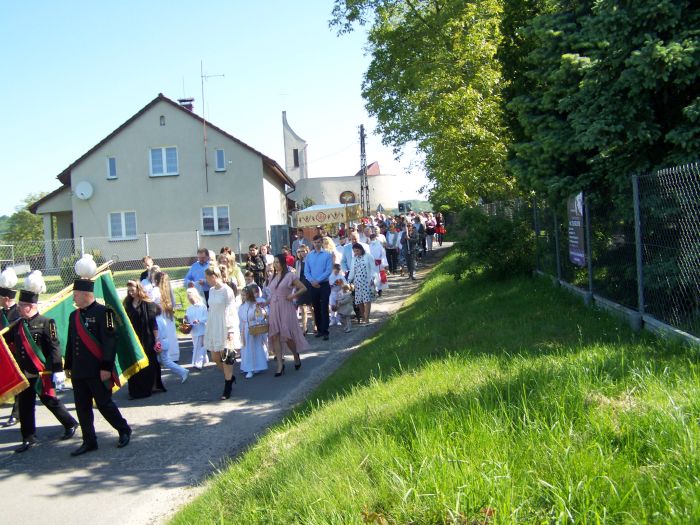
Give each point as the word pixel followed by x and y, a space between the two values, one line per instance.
pixel 172 251
pixel 641 252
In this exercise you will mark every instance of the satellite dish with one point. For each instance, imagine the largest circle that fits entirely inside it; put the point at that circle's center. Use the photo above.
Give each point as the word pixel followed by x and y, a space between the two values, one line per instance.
pixel 83 190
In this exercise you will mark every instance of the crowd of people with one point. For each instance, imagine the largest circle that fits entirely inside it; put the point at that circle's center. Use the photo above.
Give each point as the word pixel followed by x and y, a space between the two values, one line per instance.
pixel 252 315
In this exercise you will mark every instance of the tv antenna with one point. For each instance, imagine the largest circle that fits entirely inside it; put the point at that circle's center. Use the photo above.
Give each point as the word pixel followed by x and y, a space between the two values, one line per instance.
pixel 204 124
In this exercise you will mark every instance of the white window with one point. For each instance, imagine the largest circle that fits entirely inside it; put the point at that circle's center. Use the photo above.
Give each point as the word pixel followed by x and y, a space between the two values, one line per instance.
pixel 164 161
pixel 215 219
pixel 111 167
pixel 220 160
pixel 122 225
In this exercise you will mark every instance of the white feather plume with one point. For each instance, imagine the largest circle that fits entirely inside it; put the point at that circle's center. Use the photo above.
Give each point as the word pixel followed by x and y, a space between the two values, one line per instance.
pixel 8 278
pixel 86 267
pixel 34 282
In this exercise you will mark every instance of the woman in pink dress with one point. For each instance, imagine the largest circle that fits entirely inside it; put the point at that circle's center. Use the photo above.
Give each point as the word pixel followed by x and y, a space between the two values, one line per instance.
pixel 283 324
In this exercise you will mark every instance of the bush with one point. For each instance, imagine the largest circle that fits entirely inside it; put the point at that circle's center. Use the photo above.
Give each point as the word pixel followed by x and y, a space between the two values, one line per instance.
pixel 497 239
pixel 67 267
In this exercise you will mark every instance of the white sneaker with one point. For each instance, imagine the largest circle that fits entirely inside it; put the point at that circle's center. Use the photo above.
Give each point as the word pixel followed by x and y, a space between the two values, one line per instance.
pixel 184 378
pixel 249 375
pixel 348 329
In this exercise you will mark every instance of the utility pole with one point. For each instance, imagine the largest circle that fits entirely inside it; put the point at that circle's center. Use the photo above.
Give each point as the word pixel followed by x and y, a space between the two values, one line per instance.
pixel 364 185
pixel 204 124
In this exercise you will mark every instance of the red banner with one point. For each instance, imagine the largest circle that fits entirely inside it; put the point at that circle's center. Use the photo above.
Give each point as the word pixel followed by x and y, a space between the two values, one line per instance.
pixel 12 381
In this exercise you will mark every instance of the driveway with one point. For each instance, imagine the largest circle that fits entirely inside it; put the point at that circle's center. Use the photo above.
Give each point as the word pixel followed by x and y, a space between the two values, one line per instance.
pixel 180 437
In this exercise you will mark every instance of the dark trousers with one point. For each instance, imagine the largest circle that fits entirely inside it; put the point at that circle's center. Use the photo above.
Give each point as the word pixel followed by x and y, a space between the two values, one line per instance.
pixel 410 261
pixel 85 390
pixel 392 257
pixel 26 401
pixel 319 301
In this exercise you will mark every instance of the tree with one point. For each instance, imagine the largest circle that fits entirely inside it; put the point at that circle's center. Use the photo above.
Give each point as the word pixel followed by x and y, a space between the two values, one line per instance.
pixel 614 91
pixel 434 81
pixel 24 226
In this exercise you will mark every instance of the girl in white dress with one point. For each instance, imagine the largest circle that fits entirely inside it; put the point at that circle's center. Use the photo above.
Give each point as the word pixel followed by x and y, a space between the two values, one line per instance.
pixel 196 315
pixel 254 347
pixel 162 294
pixel 220 331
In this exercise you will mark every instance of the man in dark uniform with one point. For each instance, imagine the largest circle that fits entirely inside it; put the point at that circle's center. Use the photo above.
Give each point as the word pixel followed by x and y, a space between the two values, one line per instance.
pixel 38 354
pixel 8 315
pixel 90 353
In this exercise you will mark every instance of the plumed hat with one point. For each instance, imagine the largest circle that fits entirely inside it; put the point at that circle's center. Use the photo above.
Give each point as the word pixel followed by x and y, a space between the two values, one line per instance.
pixel 8 281
pixel 33 286
pixel 86 268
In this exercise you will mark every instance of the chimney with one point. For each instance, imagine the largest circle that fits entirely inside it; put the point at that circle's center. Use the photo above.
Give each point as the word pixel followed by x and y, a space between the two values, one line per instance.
pixel 187 103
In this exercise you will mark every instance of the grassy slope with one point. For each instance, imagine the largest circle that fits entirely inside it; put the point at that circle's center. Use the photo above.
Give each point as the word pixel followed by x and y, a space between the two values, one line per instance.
pixel 482 402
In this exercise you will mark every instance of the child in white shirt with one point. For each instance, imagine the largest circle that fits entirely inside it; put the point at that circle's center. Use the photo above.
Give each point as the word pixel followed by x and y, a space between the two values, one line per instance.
pixel 344 301
pixel 336 280
pixel 196 315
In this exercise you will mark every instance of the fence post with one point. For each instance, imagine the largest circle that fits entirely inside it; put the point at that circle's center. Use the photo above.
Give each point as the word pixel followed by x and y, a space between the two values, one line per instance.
pixel 588 298
pixel 148 248
pixel 556 244
pixel 82 245
pixel 536 224
pixel 636 321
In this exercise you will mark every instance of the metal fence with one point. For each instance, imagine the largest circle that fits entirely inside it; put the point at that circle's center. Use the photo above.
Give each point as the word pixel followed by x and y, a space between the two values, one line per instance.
pixel 642 252
pixel 174 251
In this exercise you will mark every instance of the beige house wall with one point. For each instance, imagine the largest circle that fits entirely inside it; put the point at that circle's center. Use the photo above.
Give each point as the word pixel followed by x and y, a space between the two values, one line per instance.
pixel 169 207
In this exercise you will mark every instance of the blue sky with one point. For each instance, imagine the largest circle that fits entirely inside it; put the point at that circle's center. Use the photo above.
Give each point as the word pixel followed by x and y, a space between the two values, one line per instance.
pixel 74 71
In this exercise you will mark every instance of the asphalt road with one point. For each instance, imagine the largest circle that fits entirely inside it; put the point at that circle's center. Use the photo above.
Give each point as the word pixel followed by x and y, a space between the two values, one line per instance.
pixel 180 437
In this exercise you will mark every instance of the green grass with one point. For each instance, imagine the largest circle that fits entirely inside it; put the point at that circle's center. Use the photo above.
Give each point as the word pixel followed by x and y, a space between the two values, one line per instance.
pixel 482 402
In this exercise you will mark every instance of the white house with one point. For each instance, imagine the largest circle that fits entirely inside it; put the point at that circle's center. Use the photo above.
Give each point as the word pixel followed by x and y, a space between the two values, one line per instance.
pixel 385 190
pixel 168 173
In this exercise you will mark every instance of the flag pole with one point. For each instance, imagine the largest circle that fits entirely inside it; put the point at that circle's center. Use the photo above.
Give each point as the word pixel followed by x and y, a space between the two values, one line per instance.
pixel 59 296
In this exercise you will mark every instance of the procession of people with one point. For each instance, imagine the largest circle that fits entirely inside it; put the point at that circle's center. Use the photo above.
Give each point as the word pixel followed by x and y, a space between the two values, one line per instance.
pixel 232 317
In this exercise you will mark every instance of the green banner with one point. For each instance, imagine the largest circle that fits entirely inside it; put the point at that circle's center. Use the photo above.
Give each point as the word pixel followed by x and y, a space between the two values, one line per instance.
pixel 130 355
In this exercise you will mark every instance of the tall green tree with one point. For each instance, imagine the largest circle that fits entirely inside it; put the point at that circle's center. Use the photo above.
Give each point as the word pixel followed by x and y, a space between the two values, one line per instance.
pixel 613 90
pixel 23 226
pixel 434 81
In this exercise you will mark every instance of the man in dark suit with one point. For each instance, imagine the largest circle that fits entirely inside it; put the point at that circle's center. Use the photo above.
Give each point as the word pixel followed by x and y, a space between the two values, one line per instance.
pixel 38 354
pixel 9 313
pixel 90 353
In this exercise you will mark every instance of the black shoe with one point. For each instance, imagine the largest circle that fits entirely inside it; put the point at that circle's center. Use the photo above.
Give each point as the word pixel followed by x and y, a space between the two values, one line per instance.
pixel 325 337
pixel 26 445
pixel 318 334
pixel 70 432
pixel 124 439
pixel 228 385
pixel 12 420
pixel 84 448
pixel 297 366
pixel 277 374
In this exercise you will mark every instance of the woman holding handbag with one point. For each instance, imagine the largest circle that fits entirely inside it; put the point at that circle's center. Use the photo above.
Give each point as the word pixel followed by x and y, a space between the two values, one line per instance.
pixel 220 330
pixel 254 327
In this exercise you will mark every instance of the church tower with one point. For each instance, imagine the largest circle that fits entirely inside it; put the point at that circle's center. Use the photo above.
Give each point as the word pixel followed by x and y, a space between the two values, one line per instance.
pixel 294 152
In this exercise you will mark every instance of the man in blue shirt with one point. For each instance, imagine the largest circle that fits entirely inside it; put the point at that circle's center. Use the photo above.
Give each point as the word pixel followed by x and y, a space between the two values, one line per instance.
pixel 317 270
pixel 195 276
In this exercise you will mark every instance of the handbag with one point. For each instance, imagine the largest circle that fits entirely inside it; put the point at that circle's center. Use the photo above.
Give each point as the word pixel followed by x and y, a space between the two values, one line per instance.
pixel 228 356
pixel 185 327
pixel 382 276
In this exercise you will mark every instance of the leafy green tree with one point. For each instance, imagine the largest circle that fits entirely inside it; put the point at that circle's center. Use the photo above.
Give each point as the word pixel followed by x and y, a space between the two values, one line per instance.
pixel 23 226
pixel 613 89
pixel 434 81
